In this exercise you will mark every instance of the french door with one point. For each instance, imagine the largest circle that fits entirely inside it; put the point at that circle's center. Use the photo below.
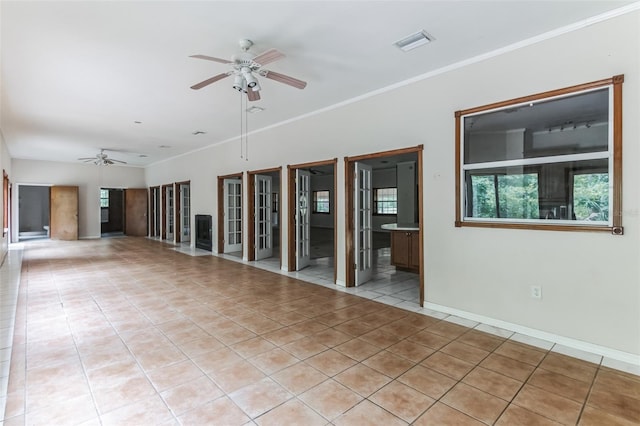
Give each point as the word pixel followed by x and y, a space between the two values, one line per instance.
pixel 263 221
pixel 362 223
pixel 185 213
pixel 303 219
pixel 168 210
pixel 232 215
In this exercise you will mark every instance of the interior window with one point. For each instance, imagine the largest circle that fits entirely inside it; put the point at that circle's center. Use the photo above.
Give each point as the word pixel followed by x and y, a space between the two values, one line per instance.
pixel 546 160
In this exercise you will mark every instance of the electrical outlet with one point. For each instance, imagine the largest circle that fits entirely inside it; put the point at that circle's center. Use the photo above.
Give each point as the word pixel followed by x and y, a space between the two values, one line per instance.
pixel 536 292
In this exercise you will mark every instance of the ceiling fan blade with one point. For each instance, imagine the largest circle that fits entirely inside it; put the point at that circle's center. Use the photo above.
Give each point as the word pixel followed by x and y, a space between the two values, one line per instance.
pixel 269 56
pixel 116 161
pixel 87 158
pixel 253 96
pixel 211 80
pixel 211 58
pixel 298 84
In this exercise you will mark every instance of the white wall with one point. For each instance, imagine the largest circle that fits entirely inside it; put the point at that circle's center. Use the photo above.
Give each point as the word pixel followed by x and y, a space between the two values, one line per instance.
pixel 88 177
pixel 590 281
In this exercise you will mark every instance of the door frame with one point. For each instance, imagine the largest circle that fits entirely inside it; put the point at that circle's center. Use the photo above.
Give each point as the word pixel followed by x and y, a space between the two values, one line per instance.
pixel 291 210
pixel 349 168
pixel 251 210
pixel 154 194
pixel 221 179
pixel 6 207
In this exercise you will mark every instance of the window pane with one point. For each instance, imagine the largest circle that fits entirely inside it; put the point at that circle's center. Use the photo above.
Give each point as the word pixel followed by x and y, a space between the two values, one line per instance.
pixel 591 196
pixel 385 200
pixel 518 196
pixel 571 125
pixel 104 198
pixel 483 192
pixel 573 190
pixel 321 201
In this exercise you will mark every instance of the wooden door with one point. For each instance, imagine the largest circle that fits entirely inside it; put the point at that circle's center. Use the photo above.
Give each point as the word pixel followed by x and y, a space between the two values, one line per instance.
pixel 63 213
pixel 135 214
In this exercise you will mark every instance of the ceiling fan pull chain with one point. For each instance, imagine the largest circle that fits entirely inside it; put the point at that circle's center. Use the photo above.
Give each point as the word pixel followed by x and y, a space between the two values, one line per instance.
pixel 241 152
pixel 246 131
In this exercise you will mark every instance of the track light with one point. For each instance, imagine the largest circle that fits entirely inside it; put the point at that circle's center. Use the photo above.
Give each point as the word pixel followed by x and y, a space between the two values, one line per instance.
pixel 238 83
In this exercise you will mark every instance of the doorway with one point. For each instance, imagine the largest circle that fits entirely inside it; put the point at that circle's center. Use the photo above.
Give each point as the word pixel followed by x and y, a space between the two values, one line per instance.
pixel 230 214
pixel 382 190
pixel 263 203
pixel 312 221
pixel 33 212
pixel 111 212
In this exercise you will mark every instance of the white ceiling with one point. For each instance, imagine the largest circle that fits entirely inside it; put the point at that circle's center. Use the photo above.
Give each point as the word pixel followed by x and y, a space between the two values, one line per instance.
pixel 77 75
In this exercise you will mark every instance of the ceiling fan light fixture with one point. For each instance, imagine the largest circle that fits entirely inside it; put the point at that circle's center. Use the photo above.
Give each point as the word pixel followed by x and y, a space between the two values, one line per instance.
pixel 251 80
pixel 414 40
pixel 238 83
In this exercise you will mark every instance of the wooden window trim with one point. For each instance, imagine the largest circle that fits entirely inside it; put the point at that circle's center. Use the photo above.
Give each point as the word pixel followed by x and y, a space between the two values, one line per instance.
pixel 616 228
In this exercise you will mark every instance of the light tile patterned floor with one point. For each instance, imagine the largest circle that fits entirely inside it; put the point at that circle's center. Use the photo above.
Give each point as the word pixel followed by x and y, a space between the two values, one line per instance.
pixel 129 331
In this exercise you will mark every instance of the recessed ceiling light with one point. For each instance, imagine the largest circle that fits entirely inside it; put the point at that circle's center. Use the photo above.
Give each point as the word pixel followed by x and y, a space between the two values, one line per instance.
pixel 164 146
pixel 255 109
pixel 143 155
pixel 138 122
pixel 199 132
pixel 414 40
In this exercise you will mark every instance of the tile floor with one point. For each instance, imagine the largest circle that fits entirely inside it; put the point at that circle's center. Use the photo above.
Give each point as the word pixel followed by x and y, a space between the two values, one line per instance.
pixel 130 331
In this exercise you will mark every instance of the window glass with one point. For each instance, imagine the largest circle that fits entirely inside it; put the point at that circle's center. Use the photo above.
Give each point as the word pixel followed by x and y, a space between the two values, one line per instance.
pixel 591 196
pixel 320 201
pixel 571 125
pixel 385 201
pixel 104 198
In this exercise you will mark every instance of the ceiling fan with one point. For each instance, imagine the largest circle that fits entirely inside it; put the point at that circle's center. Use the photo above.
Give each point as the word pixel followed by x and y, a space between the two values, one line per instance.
pixel 101 159
pixel 245 67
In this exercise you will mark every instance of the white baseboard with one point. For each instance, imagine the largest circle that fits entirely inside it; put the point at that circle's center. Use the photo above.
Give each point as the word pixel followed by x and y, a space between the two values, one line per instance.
pixel 604 351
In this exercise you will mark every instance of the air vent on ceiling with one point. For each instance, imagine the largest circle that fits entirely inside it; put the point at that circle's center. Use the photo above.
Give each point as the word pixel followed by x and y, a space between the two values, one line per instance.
pixel 414 40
